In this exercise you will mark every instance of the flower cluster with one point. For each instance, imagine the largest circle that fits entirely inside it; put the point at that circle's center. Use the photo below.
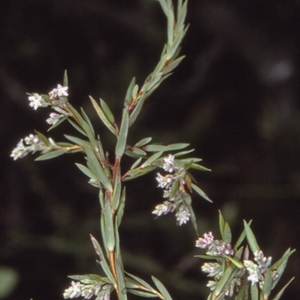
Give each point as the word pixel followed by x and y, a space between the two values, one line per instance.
pixel 31 144
pixel 88 288
pixel 214 247
pixel 256 270
pixel 56 98
pixel 175 198
pixel 216 270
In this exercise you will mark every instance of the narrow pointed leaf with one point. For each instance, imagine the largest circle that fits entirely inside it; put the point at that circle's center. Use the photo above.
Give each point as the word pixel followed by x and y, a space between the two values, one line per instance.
pixel 278 296
pixel 95 166
pixel 161 288
pixel 251 238
pixel 254 292
pixel 77 127
pixel 122 138
pixel 267 284
pixel 128 96
pixel 88 121
pixel 102 116
pixel 51 154
pixel 86 171
pixel 65 80
pixel 103 262
pixel 109 115
pixel 151 159
pixel 200 192
pixel 42 137
pixel 143 142
pixel 75 140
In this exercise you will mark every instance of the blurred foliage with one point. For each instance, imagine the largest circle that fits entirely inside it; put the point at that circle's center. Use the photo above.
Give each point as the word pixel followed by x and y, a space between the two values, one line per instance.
pixel 235 98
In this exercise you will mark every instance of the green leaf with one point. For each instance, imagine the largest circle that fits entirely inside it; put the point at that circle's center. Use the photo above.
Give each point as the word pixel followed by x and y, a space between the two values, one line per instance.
pixel 109 115
pixel 198 167
pixel 161 288
pixel 188 160
pixel 121 207
pixel 227 275
pixel 117 192
pixel 77 127
pixel 138 107
pixel 120 277
pixel 141 293
pixel 95 166
pixel 235 262
pixel 278 296
pixel 75 140
pixel 154 81
pixel 155 148
pixel 251 238
pixel 42 137
pixel 188 202
pixel 103 117
pixel 128 96
pixel 109 227
pixel 143 142
pixel 136 163
pixel 280 265
pixel 135 173
pixel 221 224
pixel 267 284
pixel 254 292
pixel 88 121
pixel 138 151
pixel 241 238
pixel 76 114
pixel 51 154
pixel 181 15
pixel 224 229
pixel 172 65
pixel 139 282
pixel 86 171
pixel 103 262
pixel 151 159
pixel 134 91
pixel 177 146
pixel 200 192
pixel 184 153
pixel 122 138
pixel 65 80
pixel 227 234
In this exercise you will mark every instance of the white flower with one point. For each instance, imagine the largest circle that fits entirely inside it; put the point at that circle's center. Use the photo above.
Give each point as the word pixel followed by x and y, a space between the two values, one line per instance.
pixel 37 101
pixel 169 163
pixel 73 291
pixel 164 181
pixel 253 271
pixel 206 241
pixel 20 151
pixel 32 144
pixel 60 91
pixel 182 216
pixel 54 118
pixel 162 209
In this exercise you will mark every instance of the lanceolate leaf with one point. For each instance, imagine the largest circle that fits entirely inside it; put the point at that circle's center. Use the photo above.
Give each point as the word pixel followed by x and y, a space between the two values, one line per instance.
pixel 51 154
pixel 200 192
pixel 102 116
pixel 122 138
pixel 161 288
pixel 97 168
pixel 251 238
pixel 107 111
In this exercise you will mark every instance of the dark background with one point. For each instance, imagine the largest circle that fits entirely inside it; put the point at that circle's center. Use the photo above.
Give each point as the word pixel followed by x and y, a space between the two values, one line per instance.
pixel 235 98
